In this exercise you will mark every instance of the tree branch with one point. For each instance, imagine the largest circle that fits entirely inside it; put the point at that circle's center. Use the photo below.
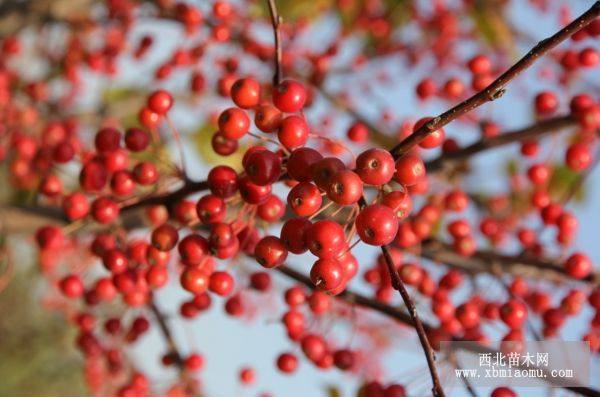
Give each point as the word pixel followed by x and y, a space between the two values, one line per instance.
pixel 497 88
pixel 482 260
pixel 534 131
pixel 167 335
pixel 415 321
pixel 396 314
pixel 278 52
pixel 398 285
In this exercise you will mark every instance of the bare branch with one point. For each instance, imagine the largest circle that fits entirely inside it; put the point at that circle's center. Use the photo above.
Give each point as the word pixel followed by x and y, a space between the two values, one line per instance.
pixel 278 53
pixel 398 285
pixel 534 131
pixel 482 261
pixel 497 88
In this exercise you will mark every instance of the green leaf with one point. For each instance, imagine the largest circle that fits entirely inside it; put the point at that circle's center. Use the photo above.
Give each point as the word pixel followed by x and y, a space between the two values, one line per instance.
pixel 562 181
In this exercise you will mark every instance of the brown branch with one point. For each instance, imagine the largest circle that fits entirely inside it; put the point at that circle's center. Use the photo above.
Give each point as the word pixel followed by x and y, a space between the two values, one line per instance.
pixel 167 335
pixel 396 314
pixel 497 88
pixel 534 131
pixel 415 321
pixel 398 285
pixel 482 261
pixel 278 52
pixel 170 198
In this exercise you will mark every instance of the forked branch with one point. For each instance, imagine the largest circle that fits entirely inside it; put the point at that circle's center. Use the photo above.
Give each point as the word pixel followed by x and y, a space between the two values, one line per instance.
pixel 497 88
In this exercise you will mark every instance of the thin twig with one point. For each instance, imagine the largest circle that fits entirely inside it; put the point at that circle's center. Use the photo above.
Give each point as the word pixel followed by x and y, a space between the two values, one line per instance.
pixel 278 53
pixel 480 262
pixel 534 131
pixel 497 88
pixel 398 285
pixel 166 333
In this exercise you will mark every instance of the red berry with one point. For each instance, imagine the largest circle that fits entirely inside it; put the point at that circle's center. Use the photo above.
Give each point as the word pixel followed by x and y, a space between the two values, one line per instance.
pixel 589 57
pixel 149 118
pixel 160 102
pixel 578 265
pixel 539 174
pixel 426 88
pixel 546 103
pixel 434 138
pixel 233 123
pixel 324 169
pixel 272 209
pixel 252 193
pixel 578 157
pixel 513 313
pixel 314 347
pixel 193 249
pixel 287 363
pixel 72 286
pixel 327 274
pixel 345 188
pixel 221 283
pixel 115 261
pixel 270 252
pixel 165 237
pixel 222 181
pixel 375 167
pixel 503 392
pixel 289 96
pixel 325 239
pixel 194 362
pixel 76 206
pixel 157 276
pixel 263 167
pixel 93 176
pixel 293 234
pixel 358 132
pixel 409 170
pixel 377 224
pixel 194 280
pixel 222 145
pixel 145 173
pixel 245 93
pixel 400 202
pixel 107 140
pixel 580 103
pixel 480 64
pixel 304 199
pixel 210 208
pixel 343 359
pixel 300 162
pixel 260 281
pixel 104 210
pixel 267 118
pixel 293 132
pixel 122 183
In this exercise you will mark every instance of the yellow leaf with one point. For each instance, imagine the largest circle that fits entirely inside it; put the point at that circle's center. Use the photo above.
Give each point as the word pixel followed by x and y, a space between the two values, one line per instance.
pixel 202 141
